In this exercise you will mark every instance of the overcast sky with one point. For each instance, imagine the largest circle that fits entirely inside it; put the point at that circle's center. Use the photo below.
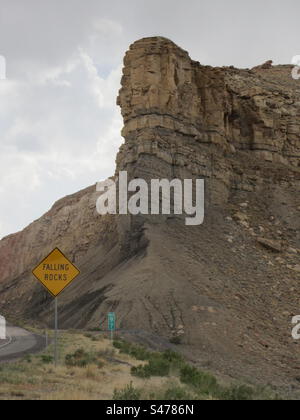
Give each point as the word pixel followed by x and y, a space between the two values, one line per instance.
pixel 59 124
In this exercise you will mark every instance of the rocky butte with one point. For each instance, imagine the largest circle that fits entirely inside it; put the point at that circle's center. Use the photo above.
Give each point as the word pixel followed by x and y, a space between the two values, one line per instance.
pixel 228 289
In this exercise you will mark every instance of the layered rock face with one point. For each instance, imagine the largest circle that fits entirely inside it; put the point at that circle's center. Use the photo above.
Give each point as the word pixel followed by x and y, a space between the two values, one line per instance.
pixel 164 90
pixel 184 120
pixel 227 289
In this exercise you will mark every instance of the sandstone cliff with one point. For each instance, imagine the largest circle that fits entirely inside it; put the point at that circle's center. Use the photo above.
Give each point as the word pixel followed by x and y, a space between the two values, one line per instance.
pixel 228 288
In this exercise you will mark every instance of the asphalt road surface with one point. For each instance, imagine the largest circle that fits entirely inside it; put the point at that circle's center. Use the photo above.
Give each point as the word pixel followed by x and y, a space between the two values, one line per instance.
pixel 20 343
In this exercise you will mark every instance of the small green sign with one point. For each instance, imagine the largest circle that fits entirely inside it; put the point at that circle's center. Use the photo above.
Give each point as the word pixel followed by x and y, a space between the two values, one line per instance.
pixel 111 321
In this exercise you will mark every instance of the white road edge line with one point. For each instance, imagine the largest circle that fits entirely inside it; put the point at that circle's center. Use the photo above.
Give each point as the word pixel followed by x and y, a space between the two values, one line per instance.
pixel 6 344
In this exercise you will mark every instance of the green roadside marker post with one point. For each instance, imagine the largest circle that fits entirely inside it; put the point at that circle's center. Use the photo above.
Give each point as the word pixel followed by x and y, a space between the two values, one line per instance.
pixel 111 324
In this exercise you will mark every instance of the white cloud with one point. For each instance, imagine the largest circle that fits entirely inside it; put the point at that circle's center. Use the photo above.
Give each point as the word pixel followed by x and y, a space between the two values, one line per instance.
pixel 60 131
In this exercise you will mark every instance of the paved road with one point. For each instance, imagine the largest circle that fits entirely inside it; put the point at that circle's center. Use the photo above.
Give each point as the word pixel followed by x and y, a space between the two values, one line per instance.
pixel 21 343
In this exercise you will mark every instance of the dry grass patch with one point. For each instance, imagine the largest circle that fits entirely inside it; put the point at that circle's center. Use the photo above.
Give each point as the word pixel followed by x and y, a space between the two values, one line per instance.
pixel 103 370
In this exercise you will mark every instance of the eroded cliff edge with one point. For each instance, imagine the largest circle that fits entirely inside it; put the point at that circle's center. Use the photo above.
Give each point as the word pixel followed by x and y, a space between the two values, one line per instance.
pixel 194 117
pixel 228 288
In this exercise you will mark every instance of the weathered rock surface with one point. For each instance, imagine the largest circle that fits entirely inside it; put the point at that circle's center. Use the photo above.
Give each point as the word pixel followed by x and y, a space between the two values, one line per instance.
pixel 270 244
pixel 229 298
pixel 234 109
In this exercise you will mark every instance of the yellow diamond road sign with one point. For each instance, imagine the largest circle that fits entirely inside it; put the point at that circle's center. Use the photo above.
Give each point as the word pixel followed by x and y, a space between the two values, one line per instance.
pixel 56 272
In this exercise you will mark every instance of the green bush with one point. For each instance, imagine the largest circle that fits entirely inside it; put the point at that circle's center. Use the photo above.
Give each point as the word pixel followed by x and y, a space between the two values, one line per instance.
pixel 238 393
pixel 158 365
pixel 129 393
pixel 138 352
pixel 175 359
pixel 203 382
pixel 47 359
pixel 177 393
pixel 80 359
pixel 141 371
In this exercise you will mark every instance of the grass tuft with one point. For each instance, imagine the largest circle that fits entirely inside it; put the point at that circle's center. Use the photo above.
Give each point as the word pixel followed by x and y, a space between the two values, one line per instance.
pixel 129 393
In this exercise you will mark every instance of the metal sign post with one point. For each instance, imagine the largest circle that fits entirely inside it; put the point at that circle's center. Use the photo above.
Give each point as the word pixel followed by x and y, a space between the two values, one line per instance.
pixel 55 334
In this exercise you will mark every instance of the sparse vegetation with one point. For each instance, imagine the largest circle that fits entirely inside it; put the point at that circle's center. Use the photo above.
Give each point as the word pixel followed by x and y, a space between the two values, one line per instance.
pixel 81 358
pixel 203 382
pixel 47 359
pixel 89 375
pixel 27 358
pixel 129 393
pixel 177 393
pixel 239 393
pixel 156 366
pixel 138 352
pixel 159 364
pixel 162 364
pixel 201 385
pixel 93 370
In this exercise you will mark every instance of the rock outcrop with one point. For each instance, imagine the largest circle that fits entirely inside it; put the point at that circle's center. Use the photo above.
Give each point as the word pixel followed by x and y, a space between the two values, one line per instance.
pixel 162 88
pixel 219 287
